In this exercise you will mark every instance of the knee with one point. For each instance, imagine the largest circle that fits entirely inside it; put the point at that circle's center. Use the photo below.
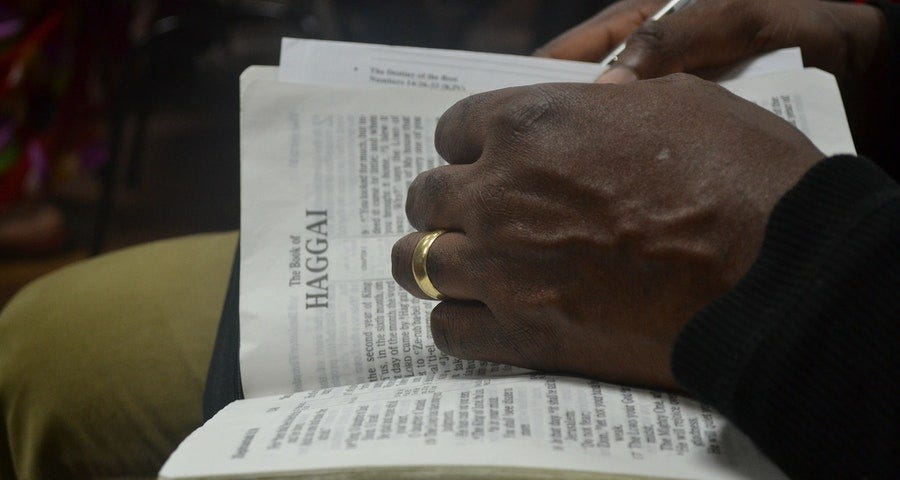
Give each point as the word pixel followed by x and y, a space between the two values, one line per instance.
pixel 36 387
pixel 102 363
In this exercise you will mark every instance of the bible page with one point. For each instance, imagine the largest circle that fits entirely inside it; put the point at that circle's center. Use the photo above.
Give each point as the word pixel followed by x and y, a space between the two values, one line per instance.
pixel 324 174
pixel 326 62
pixel 548 426
pixel 808 99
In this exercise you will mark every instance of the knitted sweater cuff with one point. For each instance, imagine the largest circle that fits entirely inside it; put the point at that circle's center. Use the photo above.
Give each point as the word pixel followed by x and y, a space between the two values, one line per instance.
pixel 713 352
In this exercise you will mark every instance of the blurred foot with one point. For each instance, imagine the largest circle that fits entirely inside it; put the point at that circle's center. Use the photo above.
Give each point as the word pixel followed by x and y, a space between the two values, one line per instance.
pixel 32 229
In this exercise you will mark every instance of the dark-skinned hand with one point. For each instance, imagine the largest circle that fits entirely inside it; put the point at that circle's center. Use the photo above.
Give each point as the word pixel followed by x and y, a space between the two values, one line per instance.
pixel 589 222
pixel 847 39
pixel 843 38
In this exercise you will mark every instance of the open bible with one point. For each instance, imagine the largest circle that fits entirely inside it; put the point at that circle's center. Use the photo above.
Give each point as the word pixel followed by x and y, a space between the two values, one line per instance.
pixel 341 375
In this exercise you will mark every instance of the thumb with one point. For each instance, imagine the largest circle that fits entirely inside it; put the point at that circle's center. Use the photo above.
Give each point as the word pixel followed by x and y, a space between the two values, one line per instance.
pixel 594 38
pixel 699 36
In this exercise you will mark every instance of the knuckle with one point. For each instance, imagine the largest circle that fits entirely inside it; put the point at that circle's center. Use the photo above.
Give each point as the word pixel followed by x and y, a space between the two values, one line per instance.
pixel 427 191
pixel 452 122
pixel 445 123
pixel 491 198
pixel 654 50
pixel 434 182
pixel 526 111
pixel 649 38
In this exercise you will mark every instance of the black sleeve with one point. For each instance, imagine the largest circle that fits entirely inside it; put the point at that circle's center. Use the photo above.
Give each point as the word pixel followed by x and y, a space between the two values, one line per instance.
pixel 802 354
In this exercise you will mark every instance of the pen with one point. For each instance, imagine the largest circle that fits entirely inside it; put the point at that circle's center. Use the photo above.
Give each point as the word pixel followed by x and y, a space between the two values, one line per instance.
pixel 668 8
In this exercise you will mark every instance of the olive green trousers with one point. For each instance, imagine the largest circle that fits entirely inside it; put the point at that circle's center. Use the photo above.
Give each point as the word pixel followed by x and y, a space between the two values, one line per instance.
pixel 103 363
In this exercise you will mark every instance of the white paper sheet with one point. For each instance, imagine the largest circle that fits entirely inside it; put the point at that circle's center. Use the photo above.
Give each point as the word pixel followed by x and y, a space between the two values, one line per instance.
pixel 323 62
pixel 541 422
pixel 809 99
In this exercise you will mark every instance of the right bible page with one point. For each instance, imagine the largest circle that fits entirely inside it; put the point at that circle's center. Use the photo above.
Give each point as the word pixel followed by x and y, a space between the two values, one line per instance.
pixel 527 426
pixel 809 99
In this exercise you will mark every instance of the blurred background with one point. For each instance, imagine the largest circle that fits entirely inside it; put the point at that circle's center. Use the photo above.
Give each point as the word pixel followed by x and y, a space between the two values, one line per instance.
pixel 119 119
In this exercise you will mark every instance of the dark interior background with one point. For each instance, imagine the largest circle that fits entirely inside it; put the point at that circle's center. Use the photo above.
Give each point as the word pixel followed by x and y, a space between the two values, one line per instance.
pixel 173 128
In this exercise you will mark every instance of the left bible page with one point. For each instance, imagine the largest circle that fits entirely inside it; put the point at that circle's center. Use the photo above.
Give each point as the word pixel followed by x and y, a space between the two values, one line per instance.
pixel 324 174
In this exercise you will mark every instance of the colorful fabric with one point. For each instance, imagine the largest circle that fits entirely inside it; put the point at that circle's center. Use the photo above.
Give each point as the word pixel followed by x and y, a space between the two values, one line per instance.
pixel 53 74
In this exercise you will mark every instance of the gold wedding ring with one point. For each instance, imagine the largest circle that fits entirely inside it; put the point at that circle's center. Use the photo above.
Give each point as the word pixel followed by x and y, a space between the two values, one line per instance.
pixel 420 268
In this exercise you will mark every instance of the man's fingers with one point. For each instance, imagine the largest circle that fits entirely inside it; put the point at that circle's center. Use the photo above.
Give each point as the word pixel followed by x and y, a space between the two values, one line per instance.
pixel 465 329
pixel 460 133
pixel 594 38
pixel 463 129
pixel 470 330
pixel 655 49
pixel 451 265
pixel 703 35
pixel 435 198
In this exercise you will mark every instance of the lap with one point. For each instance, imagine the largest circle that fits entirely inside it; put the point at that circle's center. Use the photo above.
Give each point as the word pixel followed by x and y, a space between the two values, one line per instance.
pixel 103 363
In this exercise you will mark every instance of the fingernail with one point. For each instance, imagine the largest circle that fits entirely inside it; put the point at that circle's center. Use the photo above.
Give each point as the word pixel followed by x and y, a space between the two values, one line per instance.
pixel 617 75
